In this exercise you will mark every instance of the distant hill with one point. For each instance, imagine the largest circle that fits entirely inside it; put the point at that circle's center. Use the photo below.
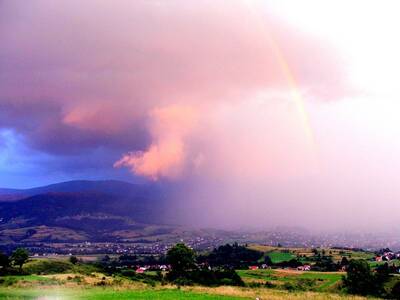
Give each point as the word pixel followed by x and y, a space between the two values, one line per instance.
pixel 82 210
pixel 8 191
pixel 111 187
pixel 11 194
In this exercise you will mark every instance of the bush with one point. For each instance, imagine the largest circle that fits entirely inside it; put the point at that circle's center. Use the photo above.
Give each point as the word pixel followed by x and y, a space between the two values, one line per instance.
pixel 8 281
pixel 303 284
pixel 395 292
pixel 149 281
pixel 210 278
pixel 101 283
pixel 129 273
pixel 48 267
pixel 78 279
pixel 293 263
pixel 183 281
pixel 145 278
pixel 289 286
pixel 269 284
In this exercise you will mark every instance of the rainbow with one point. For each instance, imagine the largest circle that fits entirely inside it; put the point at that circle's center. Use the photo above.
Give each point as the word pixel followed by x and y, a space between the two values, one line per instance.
pixel 295 93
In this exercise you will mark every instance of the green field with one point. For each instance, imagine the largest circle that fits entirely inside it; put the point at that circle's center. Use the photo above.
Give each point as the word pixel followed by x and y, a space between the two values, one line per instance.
pixel 224 293
pixel 104 293
pixel 307 285
pixel 60 279
pixel 313 281
pixel 305 255
pixel 278 256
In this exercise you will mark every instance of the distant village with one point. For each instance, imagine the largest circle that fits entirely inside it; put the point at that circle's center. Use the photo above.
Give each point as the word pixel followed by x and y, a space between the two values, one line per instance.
pixel 208 242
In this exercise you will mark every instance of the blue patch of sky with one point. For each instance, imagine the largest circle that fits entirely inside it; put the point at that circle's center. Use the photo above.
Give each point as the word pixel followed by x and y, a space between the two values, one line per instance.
pixel 24 167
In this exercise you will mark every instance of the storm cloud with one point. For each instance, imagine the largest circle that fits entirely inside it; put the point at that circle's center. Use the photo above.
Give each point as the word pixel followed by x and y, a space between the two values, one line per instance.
pixel 226 101
pixel 78 76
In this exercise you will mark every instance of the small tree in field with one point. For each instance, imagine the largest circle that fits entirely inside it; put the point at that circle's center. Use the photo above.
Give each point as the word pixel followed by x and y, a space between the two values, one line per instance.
pixel 19 257
pixel 359 279
pixel 182 260
pixel 268 260
pixel 344 262
pixel 73 260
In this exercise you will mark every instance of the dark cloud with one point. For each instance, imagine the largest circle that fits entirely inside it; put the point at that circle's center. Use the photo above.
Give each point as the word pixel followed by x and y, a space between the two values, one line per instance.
pixel 85 81
pixel 41 122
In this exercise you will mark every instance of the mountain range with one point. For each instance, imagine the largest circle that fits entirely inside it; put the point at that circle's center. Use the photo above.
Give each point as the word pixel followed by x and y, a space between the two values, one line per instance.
pixel 77 211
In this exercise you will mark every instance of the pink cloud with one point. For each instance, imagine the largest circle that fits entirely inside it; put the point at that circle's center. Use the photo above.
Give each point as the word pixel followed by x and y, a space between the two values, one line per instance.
pixel 166 156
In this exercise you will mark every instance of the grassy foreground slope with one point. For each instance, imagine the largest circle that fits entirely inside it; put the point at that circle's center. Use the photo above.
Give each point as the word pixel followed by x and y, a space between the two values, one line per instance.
pixel 99 286
pixel 314 281
pixel 195 293
pixel 78 286
pixel 107 294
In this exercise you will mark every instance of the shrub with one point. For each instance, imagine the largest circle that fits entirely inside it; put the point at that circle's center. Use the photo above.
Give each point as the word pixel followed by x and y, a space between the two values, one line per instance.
pixel 183 281
pixel 129 273
pixel 48 267
pixel 301 284
pixel 8 281
pixel 210 278
pixel 395 292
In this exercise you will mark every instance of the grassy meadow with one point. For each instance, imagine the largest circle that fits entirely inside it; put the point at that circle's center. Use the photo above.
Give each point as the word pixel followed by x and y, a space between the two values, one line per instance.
pixel 58 278
pixel 81 282
pixel 34 288
pixel 279 254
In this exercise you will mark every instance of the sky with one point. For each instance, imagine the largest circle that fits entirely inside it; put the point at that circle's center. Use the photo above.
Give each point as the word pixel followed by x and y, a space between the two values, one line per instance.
pixel 258 112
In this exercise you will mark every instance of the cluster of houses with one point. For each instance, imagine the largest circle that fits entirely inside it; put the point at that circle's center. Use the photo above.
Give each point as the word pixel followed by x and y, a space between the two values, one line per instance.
pixel 265 266
pixel 387 256
pixel 304 268
pixel 141 270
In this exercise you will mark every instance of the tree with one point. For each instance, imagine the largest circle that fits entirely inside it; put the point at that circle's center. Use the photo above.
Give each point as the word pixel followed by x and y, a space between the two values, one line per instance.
pixel 325 263
pixel 106 258
pixel 182 260
pixel 359 279
pixel 73 260
pixel 395 292
pixel 381 276
pixel 4 261
pixel 232 256
pixel 19 257
pixel 268 260
pixel 344 261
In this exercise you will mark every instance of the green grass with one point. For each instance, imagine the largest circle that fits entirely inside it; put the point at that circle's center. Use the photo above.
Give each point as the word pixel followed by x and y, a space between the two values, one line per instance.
pixel 374 264
pixel 26 278
pixel 8 281
pixel 326 279
pixel 277 256
pixel 321 281
pixel 283 254
pixel 105 294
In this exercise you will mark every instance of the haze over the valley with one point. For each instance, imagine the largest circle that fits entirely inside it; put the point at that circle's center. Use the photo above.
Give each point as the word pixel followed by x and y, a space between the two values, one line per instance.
pixel 250 113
